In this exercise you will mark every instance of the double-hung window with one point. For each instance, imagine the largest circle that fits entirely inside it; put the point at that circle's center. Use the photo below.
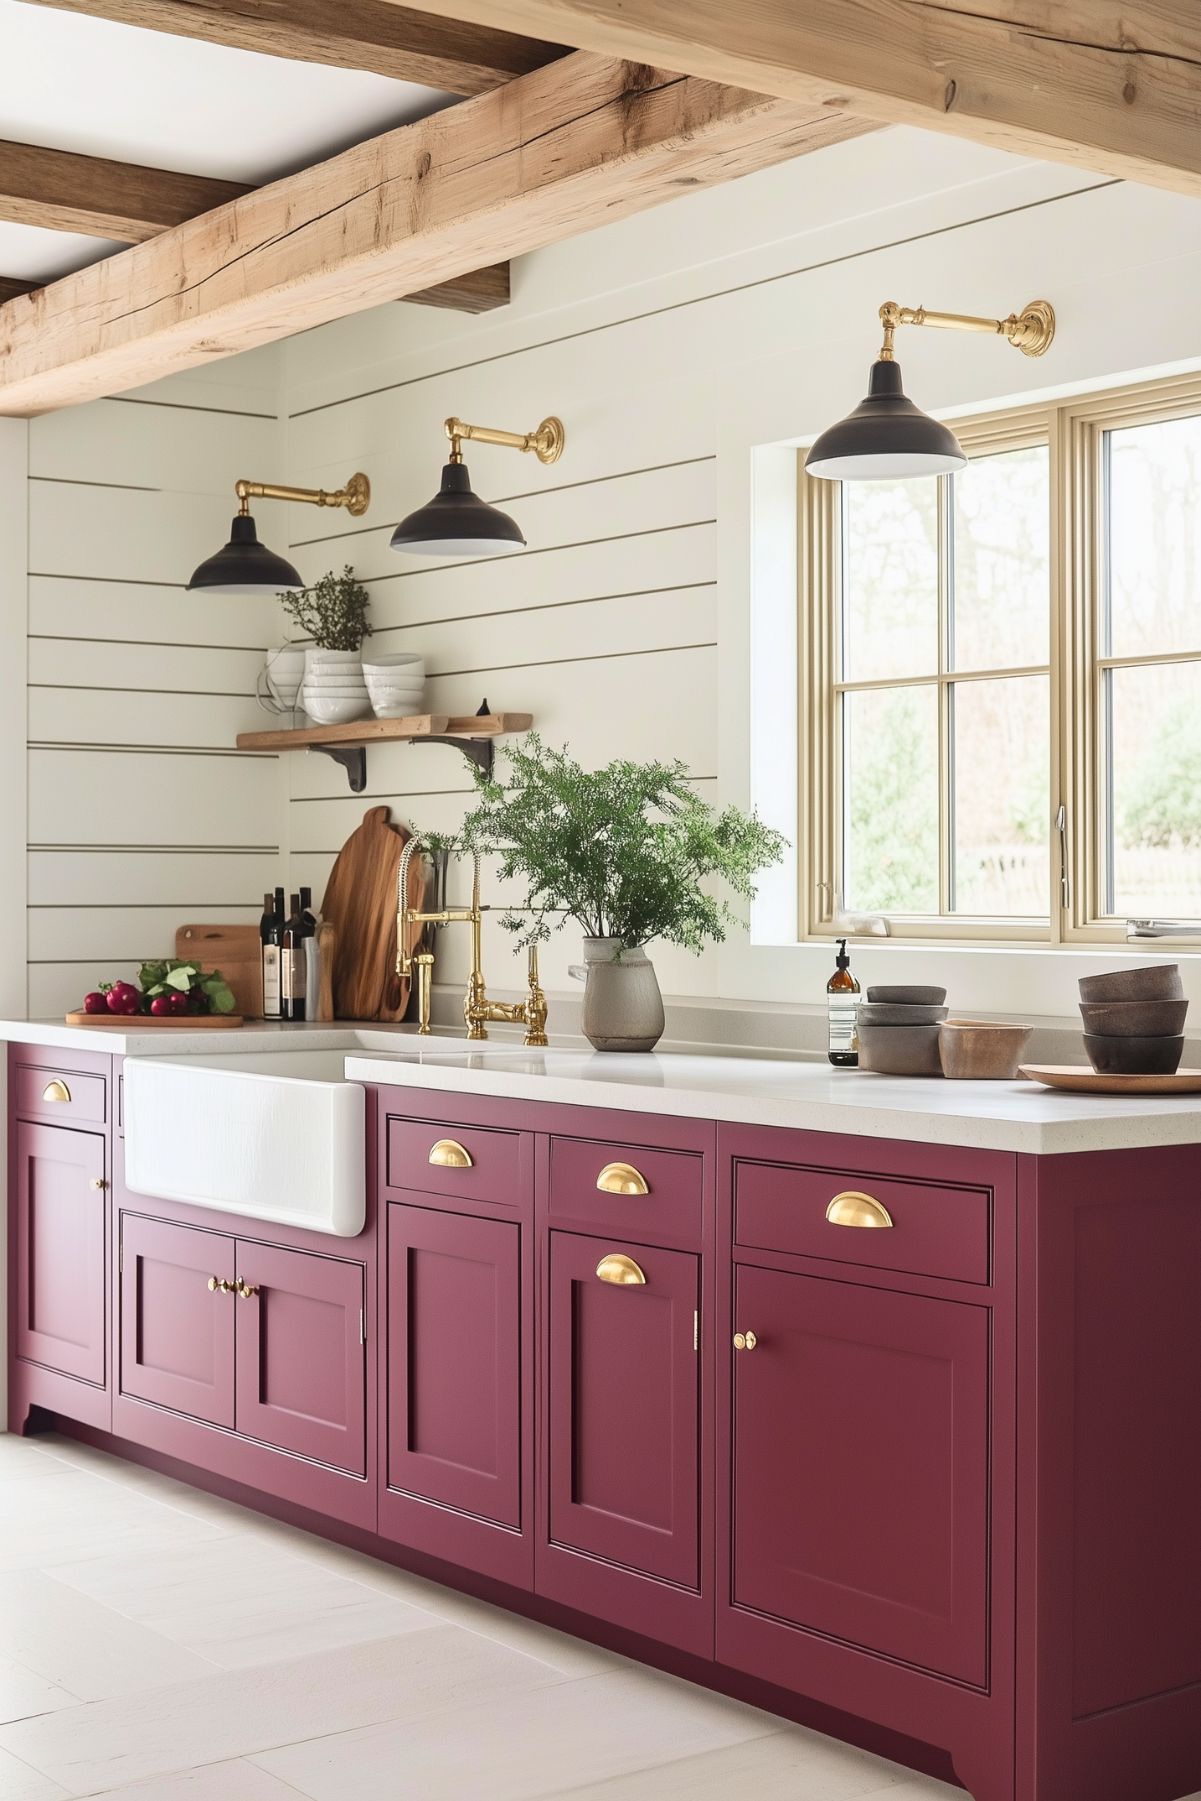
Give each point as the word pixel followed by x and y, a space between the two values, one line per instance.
pixel 1001 680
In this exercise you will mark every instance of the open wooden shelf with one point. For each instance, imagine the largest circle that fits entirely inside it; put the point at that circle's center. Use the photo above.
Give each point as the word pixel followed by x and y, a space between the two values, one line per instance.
pixel 472 733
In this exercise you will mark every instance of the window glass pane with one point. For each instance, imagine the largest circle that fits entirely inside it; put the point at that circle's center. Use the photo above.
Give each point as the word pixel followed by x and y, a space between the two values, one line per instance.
pixel 890 800
pixel 890 579
pixel 1154 532
pixel 1002 555
pixel 1001 732
pixel 1154 772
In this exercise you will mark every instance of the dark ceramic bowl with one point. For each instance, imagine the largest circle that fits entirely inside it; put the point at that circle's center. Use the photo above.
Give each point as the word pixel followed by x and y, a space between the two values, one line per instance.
pixel 1134 1056
pixel 894 1013
pixel 902 995
pixel 1134 1019
pixel 1156 982
pixel 900 1050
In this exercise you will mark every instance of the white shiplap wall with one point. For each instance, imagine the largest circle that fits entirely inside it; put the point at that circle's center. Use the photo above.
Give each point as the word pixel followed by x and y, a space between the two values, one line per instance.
pixel 141 814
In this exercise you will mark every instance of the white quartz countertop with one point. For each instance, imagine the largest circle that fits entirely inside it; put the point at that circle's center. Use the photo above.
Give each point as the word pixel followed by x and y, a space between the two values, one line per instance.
pixel 809 1096
pixel 177 1041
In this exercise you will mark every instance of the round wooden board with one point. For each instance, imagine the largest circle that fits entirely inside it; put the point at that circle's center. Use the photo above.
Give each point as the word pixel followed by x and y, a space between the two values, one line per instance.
pixel 1078 1078
pixel 133 1022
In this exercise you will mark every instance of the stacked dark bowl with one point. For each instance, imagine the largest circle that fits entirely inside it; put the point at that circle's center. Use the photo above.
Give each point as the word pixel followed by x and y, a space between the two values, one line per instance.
pixel 1134 1021
pixel 898 1031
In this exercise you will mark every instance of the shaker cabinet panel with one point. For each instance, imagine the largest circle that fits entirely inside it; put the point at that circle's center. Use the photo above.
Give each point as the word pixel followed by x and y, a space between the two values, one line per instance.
pixel 300 1362
pixel 860 1479
pixel 454 1412
pixel 622 1406
pixel 58 1197
pixel 177 1329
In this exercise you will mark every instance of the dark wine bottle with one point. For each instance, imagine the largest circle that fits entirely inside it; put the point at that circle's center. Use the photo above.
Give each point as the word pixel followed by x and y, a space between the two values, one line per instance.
pixel 271 931
pixel 293 962
pixel 306 911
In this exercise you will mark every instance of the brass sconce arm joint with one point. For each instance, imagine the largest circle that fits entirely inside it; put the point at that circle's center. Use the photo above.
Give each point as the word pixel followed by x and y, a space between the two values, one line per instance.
pixel 546 440
pixel 355 496
pixel 1030 331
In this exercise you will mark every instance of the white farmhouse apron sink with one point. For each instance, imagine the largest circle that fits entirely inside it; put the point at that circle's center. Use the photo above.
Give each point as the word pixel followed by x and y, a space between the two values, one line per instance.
pixel 276 1136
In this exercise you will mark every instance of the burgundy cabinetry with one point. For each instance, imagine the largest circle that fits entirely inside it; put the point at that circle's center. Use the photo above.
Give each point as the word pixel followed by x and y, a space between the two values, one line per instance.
pixel 58 1198
pixel 177 1318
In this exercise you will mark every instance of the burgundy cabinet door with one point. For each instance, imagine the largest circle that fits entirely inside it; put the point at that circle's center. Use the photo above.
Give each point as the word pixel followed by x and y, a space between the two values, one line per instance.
pixel 60 1235
pixel 860 1442
pixel 301 1362
pixel 177 1333
pixel 622 1415
pixel 454 1361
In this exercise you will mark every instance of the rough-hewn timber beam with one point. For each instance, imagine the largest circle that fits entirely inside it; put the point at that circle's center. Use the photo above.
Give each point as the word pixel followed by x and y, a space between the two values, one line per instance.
pixel 9 289
pixel 351 34
pixel 480 291
pixel 555 153
pixel 1111 85
pixel 65 192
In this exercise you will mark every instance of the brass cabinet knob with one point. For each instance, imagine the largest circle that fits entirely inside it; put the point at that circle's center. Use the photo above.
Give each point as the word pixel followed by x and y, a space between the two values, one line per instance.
pixel 98 1182
pixel 622 1270
pixel 219 1285
pixel 56 1091
pixel 852 1208
pixel 448 1153
pixel 622 1178
pixel 244 1288
pixel 745 1341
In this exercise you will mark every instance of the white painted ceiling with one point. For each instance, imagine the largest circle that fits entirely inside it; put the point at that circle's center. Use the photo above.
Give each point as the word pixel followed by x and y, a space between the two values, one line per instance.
pixel 69 82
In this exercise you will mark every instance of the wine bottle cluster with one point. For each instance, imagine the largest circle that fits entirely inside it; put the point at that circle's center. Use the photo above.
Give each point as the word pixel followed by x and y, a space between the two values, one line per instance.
pixel 289 954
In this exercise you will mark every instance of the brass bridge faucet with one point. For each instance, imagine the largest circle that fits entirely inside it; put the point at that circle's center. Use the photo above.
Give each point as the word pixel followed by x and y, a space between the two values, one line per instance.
pixel 477 1008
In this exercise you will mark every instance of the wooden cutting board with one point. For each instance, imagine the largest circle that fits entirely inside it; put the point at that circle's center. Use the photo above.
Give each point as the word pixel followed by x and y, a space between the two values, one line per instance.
pixel 134 1022
pixel 360 904
pixel 235 951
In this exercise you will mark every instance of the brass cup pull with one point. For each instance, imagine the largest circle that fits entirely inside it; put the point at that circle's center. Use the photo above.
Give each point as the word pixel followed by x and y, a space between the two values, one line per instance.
pixel 745 1341
pixel 56 1091
pixel 219 1285
pixel 622 1270
pixel 855 1209
pixel 449 1154
pixel 622 1178
pixel 98 1182
pixel 244 1289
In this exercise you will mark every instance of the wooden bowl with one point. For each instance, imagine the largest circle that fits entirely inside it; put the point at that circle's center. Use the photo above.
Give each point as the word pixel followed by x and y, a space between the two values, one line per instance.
pixel 978 1050
pixel 1155 982
pixel 1134 1056
pixel 1134 1019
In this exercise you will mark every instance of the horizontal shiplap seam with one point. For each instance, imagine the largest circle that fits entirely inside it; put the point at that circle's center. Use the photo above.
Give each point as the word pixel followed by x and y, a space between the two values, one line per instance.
pixel 141 906
pixel 596 656
pixel 543 606
pixel 112 581
pixel 676 306
pixel 152 750
pixel 504 500
pixel 159 850
pixel 252 650
pixel 189 406
pixel 401 798
pixel 543 550
pixel 85 481
pixel 165 693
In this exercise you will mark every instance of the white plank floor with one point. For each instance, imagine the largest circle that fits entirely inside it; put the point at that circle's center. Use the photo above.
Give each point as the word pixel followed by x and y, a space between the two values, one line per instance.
pixel 158 1644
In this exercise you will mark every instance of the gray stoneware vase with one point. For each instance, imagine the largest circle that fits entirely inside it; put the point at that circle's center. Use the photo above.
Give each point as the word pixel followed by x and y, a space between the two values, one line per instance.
pixel 623 1009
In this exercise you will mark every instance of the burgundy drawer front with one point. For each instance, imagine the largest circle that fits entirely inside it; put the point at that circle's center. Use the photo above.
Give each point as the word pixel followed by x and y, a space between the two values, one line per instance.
pixel 671 1207
pixel 935 1231
pixel 62 1095
pixel 497 1171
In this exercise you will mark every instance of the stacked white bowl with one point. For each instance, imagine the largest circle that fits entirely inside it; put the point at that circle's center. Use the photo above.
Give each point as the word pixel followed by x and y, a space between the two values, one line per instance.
pixel 334 688
pixel 395 684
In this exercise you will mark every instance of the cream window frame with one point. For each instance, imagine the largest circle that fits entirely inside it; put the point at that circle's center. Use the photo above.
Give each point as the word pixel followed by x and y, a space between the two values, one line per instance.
pixel 1074 432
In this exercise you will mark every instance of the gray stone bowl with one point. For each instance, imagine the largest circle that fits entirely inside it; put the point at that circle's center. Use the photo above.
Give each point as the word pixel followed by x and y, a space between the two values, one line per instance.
pixel 1155 982
pixel 1134 1056
pixel 900 1050
pixel 906 995
pixel 1134 1019
pixel 894 1013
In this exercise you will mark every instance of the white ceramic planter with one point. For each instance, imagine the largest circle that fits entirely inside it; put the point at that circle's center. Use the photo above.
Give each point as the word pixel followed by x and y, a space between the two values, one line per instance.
pixel 623 1008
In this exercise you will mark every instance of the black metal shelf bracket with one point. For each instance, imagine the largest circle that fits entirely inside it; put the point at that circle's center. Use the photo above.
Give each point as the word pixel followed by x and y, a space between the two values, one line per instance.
pixel 353 757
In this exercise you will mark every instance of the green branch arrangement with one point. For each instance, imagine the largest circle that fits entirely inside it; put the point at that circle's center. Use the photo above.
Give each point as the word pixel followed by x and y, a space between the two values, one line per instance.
pixel 333 612
pixel 623 850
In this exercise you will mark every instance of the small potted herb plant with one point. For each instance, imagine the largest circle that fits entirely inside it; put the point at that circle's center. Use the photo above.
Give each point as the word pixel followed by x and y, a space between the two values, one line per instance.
pixel 333 615
pixel 627 852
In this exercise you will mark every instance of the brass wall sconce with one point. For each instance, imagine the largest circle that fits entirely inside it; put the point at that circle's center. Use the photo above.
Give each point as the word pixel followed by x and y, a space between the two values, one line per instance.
pixel 456 522
pixel 244 564
pixel 887 438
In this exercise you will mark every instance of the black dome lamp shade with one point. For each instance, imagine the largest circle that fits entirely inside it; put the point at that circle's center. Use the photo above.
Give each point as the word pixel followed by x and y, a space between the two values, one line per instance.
pixel 887 437
pixel 244 566
pixel 456 522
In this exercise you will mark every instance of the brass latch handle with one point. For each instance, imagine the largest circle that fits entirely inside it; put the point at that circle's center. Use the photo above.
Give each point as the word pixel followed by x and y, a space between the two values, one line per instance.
pixel 219 1285
pixel 56 1091
pixel 853 1208
pixel 448 1153
pixel 745 1341
pixel 98 1182
pixel 622 1178
pixel 620 1269
pixel 245 1290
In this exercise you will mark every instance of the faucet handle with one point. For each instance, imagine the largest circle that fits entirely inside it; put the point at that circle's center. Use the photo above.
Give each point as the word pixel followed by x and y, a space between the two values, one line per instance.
pixel 535 1006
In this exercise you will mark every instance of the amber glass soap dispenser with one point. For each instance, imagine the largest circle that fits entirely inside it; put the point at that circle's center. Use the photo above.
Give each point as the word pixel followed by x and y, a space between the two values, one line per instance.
pixel 842 992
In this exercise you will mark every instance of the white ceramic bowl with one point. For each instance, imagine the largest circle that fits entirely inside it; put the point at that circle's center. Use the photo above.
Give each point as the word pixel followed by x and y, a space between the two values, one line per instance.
pixel 396 709
pixel 285 673
pixel 325 709
pixel 400 664
pixel 335 684
pixel 389 684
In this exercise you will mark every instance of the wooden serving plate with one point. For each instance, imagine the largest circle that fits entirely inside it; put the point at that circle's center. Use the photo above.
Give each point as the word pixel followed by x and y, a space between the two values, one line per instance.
pixel 1078 1078
pixel 133 1022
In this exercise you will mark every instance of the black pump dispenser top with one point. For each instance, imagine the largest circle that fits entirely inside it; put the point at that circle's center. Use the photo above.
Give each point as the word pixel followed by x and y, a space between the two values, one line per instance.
pixel 842 960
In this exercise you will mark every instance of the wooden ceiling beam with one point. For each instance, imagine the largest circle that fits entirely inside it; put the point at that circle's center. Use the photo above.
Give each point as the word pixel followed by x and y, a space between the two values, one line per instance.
pixel 1108 85
pixel 10 289
pixel 479 291
pixel 557 152
pixel 62 191
pixel 351 34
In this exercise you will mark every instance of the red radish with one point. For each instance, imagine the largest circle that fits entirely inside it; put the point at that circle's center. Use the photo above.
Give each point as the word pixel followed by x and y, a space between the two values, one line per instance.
pixel 95 1002
pixel 161 1006
pixel 177 1001
pixel 123 997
